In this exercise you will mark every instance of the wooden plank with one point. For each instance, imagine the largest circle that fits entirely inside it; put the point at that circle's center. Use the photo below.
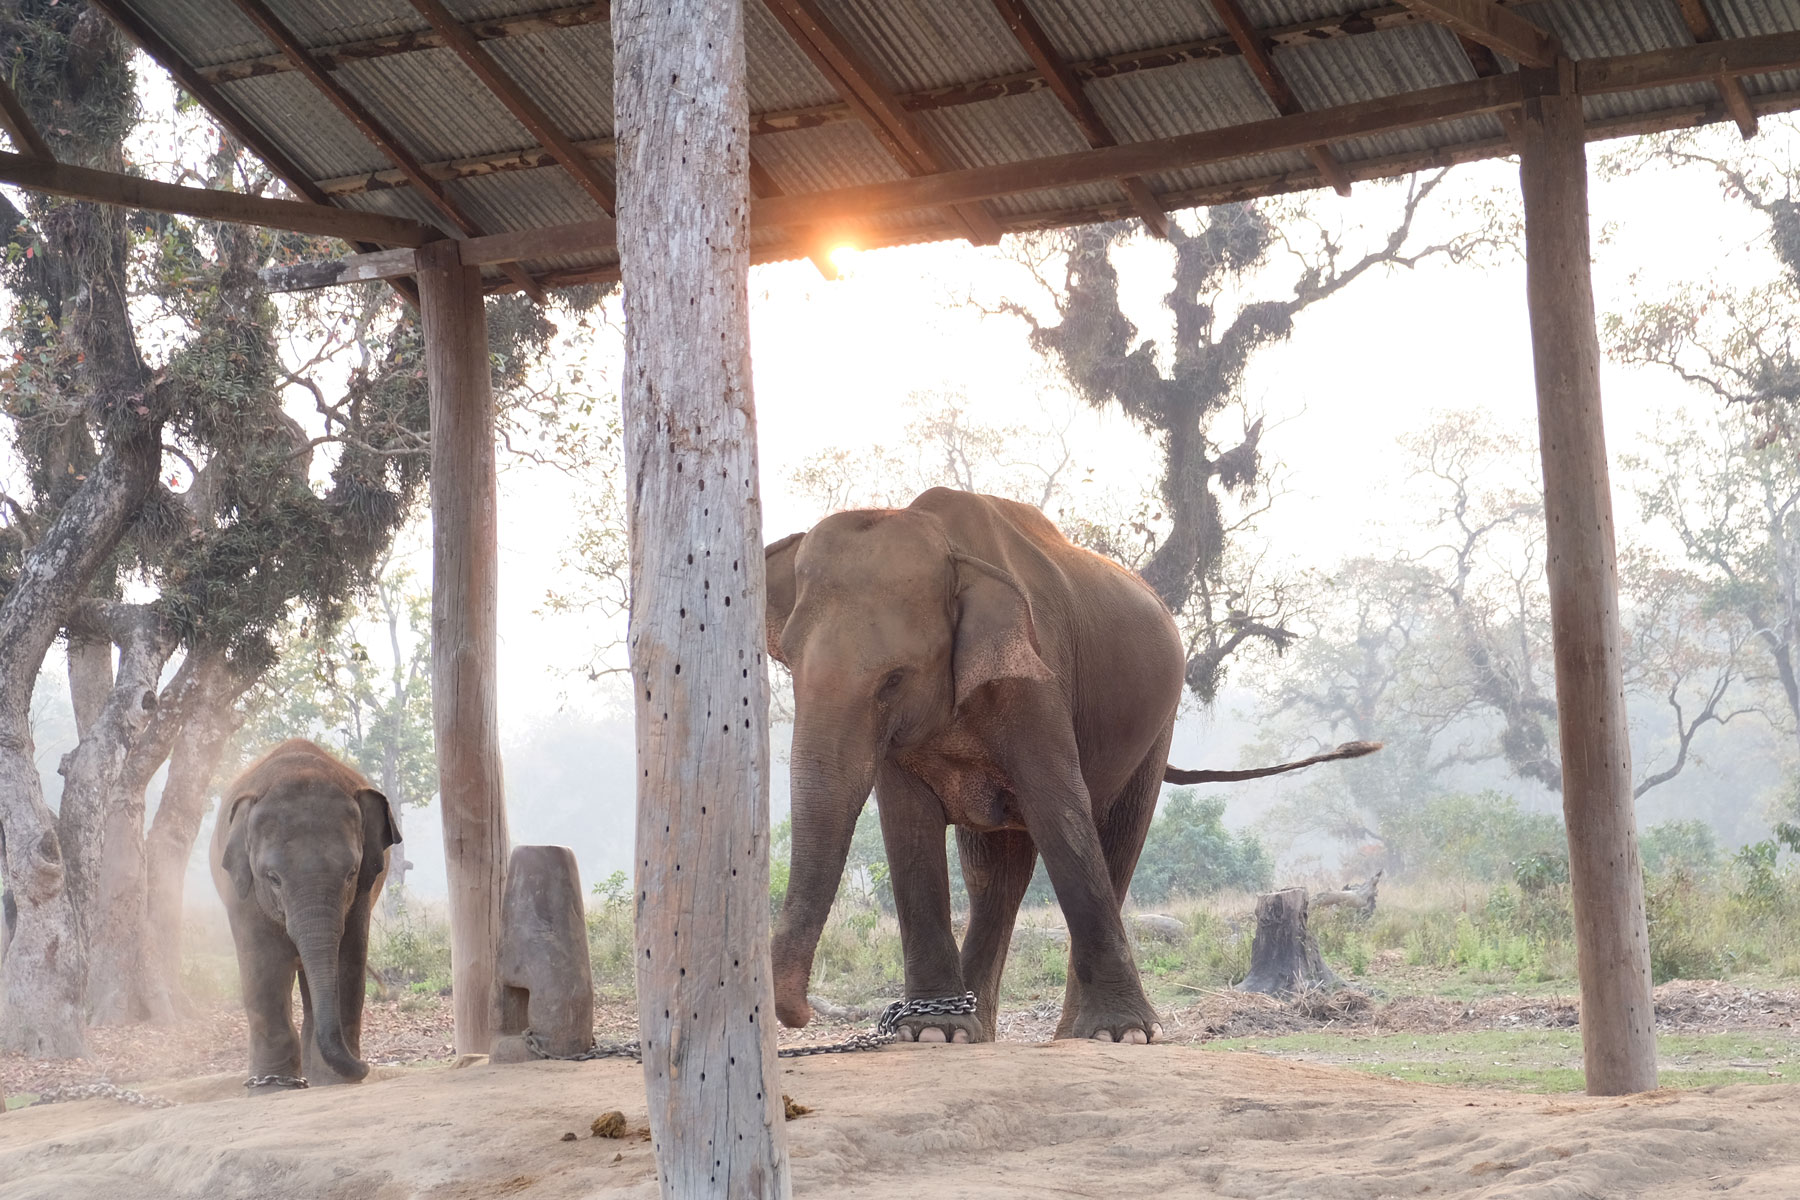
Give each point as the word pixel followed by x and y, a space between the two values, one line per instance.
pixel 1731 90
pixel 1494 27
pixel 26 139
pixel 1618 1037
pixel 501 248
pixel 370 127
pixel 699 680
pixel 524 109
pixel 130 191
pixel 1036 43
pixel 357 268
pixel 464 630
pixel 1404 111
pixel 856 82
pixel 1487 65
pixel 1760 55
pixel 413 41
pixel 1286 182
pixel 1286 103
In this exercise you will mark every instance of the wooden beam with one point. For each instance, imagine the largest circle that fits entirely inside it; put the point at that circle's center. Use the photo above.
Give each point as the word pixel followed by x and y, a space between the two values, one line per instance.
pixel 130 191
pixel 1761 55
pixel 356 268
pixel 705 991
pixel 524 109
pixel 1404 111
pixel 1286 103
pixel 855 81
pixel 1494 27
pixel 370 127
pixel 342 54
pixel 1487 65
pixel 26 139
pixel 1618 1033
pixel 464 630
pixel 1063 84
pixel 1731 89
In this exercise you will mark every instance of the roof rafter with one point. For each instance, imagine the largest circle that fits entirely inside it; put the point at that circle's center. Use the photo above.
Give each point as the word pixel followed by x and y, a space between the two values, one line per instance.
pixel 873 102
pixel 209 204
pixel 1494 27
pixel 1731 90
pixel 1067 89
pixel 371 128
pixel 1286 103
pixel 524 109
pixel 26 139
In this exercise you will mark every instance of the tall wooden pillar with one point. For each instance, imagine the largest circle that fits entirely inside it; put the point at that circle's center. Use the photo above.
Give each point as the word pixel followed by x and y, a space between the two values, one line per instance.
pixel 705 1001
pixel 464 637
pixel 1607 880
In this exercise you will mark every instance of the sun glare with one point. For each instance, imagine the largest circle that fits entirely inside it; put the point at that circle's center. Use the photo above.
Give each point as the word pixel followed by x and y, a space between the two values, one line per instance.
pixel 842 256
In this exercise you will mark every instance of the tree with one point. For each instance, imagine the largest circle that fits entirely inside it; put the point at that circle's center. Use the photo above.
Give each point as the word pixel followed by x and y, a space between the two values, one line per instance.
pixel 1179 394
pixel 1189 852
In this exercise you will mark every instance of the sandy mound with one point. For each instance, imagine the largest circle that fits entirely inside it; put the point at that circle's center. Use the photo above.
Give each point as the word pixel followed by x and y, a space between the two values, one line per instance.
pixel 1064 1119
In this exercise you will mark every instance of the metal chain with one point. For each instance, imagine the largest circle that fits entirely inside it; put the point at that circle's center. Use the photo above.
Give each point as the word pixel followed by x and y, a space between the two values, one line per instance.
pixel 100 1091
pixel 887 1030
pixel 282 1081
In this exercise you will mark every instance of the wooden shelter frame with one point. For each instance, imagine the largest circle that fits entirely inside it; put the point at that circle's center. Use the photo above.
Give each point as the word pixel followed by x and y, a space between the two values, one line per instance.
pixel 724 196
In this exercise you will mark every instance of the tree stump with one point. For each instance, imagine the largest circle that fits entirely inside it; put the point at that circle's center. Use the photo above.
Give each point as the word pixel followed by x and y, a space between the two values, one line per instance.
pixel 1284 958
pixel 544 981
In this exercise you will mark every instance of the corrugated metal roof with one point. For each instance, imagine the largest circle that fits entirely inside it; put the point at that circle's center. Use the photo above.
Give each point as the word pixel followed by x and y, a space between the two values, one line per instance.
pixel 1151 69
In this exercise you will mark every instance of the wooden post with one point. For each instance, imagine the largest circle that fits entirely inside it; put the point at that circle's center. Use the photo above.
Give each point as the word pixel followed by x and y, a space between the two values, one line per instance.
pixel 1612 943
pixel 705 1001
pixel 464 637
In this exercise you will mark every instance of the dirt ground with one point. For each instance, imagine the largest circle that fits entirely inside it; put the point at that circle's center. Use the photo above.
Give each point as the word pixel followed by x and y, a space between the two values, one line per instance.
pixel 973 1122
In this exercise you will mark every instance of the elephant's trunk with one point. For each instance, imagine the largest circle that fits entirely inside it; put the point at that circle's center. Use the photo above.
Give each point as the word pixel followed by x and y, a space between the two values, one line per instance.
pixel 317 930
pixel 833 769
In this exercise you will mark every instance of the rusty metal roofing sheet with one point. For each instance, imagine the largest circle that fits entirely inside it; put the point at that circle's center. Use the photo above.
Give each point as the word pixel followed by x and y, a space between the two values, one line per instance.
pixel 440 111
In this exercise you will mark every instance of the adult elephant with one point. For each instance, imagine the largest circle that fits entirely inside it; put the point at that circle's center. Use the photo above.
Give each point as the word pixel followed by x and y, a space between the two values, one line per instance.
pixel 977 669
pixel 299 856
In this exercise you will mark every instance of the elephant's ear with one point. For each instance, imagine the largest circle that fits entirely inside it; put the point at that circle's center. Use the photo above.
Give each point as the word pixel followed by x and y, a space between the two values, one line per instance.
pixel 995 637
pixel 380 830
pixel 236 858
pixel 778 566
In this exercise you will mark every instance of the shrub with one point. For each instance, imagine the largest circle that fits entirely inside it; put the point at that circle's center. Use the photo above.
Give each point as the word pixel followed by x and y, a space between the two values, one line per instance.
pixel 1189 852
pixel 1689 847
pixel 1479 837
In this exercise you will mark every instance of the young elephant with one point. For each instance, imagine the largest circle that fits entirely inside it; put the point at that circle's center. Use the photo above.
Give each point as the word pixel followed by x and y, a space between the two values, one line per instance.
pixel 299 856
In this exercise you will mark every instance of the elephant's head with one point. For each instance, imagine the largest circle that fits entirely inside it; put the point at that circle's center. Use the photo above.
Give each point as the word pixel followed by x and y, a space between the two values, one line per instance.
pixel 887 630
pixel 306 847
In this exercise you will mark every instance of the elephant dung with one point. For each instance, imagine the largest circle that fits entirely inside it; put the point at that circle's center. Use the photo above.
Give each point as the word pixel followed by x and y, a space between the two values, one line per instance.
pixel 544 983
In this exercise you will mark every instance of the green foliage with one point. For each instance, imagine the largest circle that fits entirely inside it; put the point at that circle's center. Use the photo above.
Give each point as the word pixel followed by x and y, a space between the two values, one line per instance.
pixel 1689 847
pixel 781 850
pixel 410 944
pixel 1189 852
pixel 1485 837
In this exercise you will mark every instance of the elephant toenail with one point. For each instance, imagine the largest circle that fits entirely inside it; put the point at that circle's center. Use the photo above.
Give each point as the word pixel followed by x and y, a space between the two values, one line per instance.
pixel 1103 1035
pixel 931 1034
pixel 1156 1032
pixel 1136 1037
pixel 962 1035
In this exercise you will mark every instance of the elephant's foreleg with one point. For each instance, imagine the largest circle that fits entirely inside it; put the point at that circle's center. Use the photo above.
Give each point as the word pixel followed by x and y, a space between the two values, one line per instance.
pixel 997 868
pixel 266 967
pixel 1045 770
pixel 912 827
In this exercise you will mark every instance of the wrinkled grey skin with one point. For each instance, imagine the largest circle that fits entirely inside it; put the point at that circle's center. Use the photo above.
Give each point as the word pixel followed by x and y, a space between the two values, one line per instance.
pixel 976 669
pixel 299 856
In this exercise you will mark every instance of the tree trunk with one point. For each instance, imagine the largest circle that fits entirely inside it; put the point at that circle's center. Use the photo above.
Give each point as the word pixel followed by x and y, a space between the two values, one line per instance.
pixel 1606 879
pixel 101 821
pixel 44 970
pixel 211 720
pixel 464 630
pixel 705 1001
pixel 1284 958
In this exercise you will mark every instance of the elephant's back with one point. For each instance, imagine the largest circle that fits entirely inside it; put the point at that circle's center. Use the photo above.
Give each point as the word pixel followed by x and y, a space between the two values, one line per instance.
pixel 292 759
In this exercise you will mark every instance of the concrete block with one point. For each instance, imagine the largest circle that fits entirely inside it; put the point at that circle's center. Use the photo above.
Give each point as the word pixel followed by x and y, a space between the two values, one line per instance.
pixel 544 982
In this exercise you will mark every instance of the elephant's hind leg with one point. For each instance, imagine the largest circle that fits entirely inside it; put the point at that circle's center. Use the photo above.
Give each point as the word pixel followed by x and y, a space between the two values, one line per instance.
pixel 997 869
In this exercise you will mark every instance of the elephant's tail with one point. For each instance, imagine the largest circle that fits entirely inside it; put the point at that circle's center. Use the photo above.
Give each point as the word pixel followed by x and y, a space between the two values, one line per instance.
pixel 1347 750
